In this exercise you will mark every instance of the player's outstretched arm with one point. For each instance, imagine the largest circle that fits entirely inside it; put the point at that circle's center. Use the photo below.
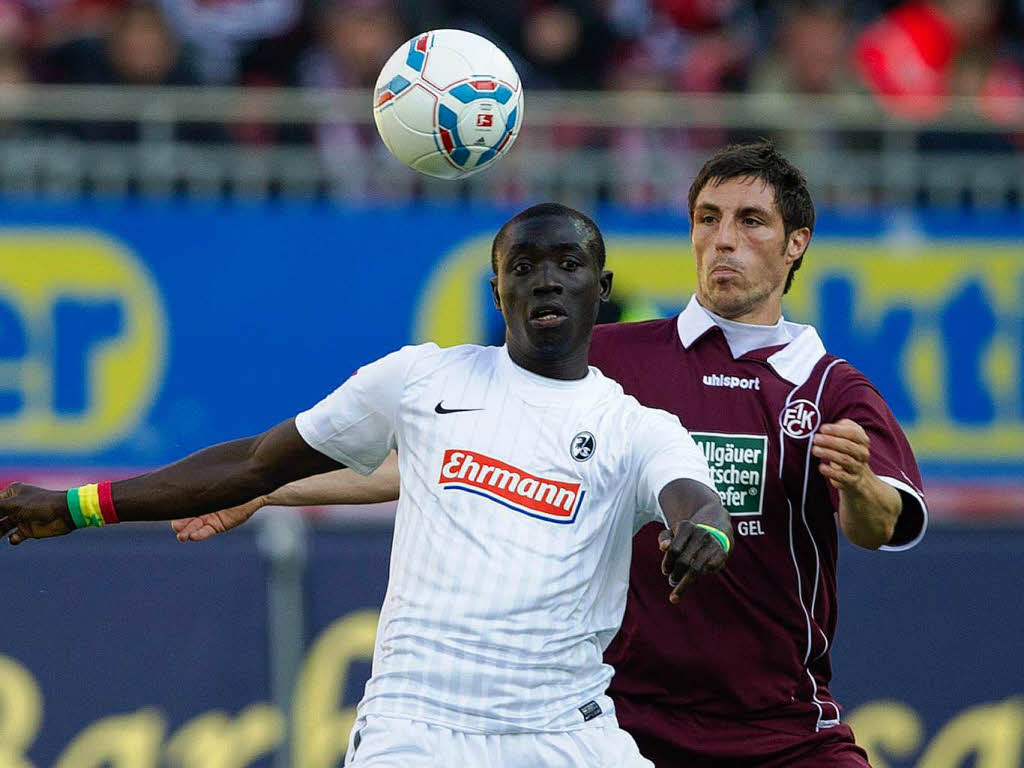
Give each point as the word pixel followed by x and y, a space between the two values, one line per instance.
pixel 699 537
pixel 343 486
pixel 214 478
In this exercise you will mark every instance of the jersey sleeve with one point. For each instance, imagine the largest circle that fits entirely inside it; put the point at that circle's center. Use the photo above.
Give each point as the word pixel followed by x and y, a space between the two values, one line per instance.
pixel 664 452
pixel 892 458
pixel 357 423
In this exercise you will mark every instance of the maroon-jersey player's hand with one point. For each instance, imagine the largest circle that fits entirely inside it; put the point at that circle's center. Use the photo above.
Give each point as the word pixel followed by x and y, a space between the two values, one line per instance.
pixel 843 450
pixel 209 525
pixel 27 512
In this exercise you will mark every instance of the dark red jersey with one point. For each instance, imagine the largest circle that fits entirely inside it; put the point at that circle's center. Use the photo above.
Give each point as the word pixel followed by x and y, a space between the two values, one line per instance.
pixel 751 642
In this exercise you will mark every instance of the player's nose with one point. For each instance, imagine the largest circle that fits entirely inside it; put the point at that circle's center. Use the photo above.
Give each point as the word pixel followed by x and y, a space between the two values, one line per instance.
pixel 546 280
pixel 726 235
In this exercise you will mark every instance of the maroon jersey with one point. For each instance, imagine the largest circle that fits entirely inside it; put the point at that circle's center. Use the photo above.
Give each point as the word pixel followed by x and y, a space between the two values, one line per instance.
pixel 751 642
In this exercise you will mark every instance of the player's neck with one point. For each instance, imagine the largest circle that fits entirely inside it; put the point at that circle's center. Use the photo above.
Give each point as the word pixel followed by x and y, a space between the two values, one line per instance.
pixel 762 315
pixel 569 368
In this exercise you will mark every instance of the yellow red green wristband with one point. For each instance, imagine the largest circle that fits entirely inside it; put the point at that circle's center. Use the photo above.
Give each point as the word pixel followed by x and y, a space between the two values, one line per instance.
pixel 719 536
pixel 91 506
pixel 75 508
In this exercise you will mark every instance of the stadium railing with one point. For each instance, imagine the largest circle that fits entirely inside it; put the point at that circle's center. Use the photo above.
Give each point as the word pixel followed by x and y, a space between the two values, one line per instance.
pixel 634 148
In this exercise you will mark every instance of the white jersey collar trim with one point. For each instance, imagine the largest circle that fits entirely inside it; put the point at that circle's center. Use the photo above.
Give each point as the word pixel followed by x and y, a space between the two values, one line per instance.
pixel 794 362
pixel 693 322
pixel 540 389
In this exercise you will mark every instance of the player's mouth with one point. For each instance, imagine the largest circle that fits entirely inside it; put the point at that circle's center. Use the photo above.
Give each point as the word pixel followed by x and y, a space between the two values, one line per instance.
pixel 548 316
pixel 724 273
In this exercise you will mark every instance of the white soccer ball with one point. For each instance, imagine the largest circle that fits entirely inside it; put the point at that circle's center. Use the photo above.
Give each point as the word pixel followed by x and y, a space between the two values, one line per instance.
pixel 448 103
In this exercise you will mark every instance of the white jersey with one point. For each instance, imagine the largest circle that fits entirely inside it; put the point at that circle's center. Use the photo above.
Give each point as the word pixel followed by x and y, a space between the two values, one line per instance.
pixel 519 498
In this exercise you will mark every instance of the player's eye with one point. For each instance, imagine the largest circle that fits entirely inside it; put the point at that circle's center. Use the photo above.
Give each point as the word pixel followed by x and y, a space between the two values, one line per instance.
pixel 570 264
pixel 520 268
pixel 750 221
pixel 707 219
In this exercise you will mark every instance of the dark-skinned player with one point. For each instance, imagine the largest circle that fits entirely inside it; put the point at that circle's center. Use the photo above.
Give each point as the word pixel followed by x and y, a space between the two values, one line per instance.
pixel 802 447
pixel 525 474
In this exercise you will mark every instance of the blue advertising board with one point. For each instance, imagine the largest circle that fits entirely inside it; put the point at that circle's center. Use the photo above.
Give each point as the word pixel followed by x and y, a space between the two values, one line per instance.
pixel 125 649
pixel 134 332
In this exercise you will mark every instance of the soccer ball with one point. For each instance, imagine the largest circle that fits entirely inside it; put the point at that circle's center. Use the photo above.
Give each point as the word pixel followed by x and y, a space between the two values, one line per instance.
pixel 448 103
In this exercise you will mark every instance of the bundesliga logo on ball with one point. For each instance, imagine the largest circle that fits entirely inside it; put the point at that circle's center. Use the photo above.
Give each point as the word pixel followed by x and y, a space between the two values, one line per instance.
pixel 448 103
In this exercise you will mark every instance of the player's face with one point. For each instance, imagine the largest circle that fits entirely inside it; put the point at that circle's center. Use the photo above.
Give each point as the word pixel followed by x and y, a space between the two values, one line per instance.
pixel 742 251
pixel 549 287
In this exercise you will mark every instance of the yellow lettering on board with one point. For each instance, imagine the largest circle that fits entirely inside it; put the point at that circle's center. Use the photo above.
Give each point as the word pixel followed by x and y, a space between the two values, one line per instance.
pixel 216 740
pixel 21 712
pixel 887 729
pixel 991 733
pixel 119 741
pixel 49 280
pixel 320 728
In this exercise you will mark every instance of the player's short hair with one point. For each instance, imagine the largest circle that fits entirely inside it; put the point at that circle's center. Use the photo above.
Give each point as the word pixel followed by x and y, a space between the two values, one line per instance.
pixel 760 160
pixel 592 239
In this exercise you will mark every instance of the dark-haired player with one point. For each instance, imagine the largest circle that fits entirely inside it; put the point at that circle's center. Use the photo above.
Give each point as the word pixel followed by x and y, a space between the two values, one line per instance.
pixel 798 441
pixel 525 473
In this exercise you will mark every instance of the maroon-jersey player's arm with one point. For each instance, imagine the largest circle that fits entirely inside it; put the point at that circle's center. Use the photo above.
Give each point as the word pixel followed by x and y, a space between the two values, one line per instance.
pixel 342 486
pixel 688 551
pixel 874 481
pixel 211 479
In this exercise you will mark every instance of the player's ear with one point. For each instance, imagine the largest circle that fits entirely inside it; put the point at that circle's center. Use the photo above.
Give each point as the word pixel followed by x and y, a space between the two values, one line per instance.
pixel 494 293
pixel 606 284
pixel 799 239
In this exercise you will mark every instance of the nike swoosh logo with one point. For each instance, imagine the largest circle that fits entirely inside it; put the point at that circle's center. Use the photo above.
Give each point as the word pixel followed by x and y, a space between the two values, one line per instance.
pixel 441 409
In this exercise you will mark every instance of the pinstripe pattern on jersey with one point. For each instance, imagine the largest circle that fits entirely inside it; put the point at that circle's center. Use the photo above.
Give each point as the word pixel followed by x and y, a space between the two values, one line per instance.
pixel 496 622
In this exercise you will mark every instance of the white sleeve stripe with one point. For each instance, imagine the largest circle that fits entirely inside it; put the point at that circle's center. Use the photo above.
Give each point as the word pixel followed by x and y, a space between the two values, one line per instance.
pixel 910 490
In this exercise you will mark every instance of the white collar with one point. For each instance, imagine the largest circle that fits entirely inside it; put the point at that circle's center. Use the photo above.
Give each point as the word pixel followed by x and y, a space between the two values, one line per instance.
pixel 794 362
pixel 541 390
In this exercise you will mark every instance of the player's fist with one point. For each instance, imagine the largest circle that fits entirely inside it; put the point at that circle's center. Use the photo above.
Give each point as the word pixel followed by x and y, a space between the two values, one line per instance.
pixel 27 512
pixel 206 526
pixel 843 450
pixel 692 550
pixel 700 535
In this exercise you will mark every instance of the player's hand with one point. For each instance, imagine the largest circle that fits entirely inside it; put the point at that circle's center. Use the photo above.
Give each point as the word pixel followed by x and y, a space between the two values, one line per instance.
pixel 209 525
pixel 843 450
pixel 27 512
pixel 691 551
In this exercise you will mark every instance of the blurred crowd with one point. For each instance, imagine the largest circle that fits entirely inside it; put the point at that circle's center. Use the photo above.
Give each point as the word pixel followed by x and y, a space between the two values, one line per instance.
pixel 810 46
pixel 928 49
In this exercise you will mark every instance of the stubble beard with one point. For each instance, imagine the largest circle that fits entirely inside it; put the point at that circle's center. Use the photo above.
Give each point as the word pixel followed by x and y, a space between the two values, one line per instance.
pixel 737 302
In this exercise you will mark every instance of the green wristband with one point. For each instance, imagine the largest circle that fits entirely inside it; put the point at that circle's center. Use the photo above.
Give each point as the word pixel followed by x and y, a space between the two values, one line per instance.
pixel 75 508
pixel 720 537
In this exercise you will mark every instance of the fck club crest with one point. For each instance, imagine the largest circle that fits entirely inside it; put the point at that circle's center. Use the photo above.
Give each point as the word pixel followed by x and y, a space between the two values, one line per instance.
pixel 799 419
